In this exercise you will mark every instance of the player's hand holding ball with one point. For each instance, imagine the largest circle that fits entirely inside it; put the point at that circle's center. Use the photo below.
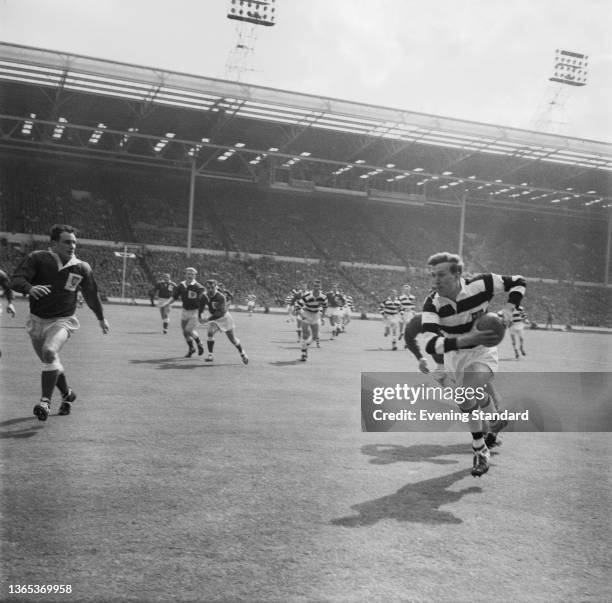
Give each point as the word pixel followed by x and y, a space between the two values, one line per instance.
pixel 490 330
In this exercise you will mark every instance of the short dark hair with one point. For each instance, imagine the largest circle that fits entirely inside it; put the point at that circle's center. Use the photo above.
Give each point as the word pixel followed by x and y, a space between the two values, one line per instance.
pixel 211 281
pixel 58 229
pixel 455 261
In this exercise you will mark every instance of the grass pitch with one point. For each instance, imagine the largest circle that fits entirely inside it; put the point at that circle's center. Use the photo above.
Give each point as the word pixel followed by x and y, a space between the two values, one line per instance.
pixel 179 480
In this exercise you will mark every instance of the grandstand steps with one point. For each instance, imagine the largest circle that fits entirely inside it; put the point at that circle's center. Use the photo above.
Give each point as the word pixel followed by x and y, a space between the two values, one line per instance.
pixel 218 227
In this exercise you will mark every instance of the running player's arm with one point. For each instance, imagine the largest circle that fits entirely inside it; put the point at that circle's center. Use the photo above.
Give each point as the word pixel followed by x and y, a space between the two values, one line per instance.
pixel 203 305
pixel 413 328
pixel 23 276
pixel 89 288
pixel 515 286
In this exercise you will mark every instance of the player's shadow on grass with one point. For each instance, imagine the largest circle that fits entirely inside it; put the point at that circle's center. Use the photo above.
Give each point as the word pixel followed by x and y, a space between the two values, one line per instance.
pixel 8 429
pixel 182 363
pixel 143 332
pixel 385 454
pixel 420 502
pixel 287 362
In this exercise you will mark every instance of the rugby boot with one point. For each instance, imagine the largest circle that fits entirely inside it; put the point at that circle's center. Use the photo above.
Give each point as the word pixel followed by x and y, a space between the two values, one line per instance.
pixel 42 409
pixel 481 461
pixel 66 405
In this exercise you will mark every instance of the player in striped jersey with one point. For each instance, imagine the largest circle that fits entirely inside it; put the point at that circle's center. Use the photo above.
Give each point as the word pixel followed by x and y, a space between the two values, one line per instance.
pixel 408 302
pixel 470 359
pixel 311 307
pixel 349 306
pixel 162 290
pixel 519 318
pixel 251 300
pixel 415 326
pixel 291 301
pixel 391 310
pixel 335 305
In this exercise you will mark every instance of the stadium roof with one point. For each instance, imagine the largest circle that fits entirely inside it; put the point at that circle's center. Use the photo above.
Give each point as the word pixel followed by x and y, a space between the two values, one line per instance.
pixel 71 105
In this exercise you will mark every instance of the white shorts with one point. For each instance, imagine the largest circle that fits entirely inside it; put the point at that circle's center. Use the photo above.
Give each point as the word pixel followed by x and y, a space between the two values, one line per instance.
pixel 457 361
pixel 250 306
pixel 517 328
pixel 336 312
pixel 311 318
pixel 394 319
pixel 189 318
pixel 37 328
pixel 225 323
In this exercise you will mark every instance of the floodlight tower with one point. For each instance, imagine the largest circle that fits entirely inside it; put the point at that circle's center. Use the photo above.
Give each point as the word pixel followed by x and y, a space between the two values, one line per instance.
pixel 570 72
pixel 248 14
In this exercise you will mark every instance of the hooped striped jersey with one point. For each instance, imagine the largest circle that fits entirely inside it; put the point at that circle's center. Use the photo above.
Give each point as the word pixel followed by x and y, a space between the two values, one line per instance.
pixel 390 307
pixel 518 315
pixel 311 302
pixel 294 296
pixel 408 302
pixel 447 318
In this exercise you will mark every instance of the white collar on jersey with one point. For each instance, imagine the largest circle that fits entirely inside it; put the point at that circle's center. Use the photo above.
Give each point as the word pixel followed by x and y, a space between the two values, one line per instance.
pixel 73 261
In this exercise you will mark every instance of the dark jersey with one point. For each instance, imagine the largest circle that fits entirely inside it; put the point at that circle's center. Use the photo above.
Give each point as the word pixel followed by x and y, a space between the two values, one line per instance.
pixel 335 299
pixel 163 289
pixel 189 294
pixel 215 304
pixel 45 268
pixel 5 285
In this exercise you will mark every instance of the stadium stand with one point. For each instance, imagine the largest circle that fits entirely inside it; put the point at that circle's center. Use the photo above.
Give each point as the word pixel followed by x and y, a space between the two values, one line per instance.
pixel 245 237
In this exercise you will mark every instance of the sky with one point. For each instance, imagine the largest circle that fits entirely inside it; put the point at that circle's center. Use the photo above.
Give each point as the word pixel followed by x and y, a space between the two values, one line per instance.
pixel 486 61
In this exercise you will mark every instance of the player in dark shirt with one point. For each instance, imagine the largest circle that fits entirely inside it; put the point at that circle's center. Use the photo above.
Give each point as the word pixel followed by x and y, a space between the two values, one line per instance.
pixel 163 290
pixel 219 319
pixel 189 292
pixel 52 280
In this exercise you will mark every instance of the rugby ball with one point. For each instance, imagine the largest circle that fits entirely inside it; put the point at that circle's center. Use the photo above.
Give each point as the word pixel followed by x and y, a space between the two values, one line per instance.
pixel 492 322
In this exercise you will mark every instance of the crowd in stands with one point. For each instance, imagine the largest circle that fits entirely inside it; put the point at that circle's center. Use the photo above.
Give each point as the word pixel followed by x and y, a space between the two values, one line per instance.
pixel 338 240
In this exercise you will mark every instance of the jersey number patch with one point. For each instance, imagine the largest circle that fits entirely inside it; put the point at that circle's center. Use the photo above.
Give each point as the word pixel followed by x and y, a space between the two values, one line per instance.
pixel 72 282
